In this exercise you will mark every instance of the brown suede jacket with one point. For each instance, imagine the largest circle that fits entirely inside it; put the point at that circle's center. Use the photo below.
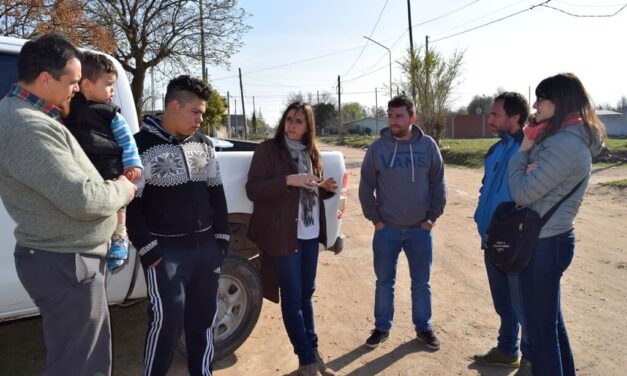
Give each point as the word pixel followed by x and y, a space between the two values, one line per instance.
pixel 273 226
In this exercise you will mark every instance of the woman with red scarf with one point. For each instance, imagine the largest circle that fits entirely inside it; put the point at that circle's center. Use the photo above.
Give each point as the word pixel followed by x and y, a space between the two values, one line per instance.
pixel 555 156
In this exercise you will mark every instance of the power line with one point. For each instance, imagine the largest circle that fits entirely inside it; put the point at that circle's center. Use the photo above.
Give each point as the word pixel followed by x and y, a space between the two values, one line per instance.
pixel 492 22
pixel 586 15
pixel 589 5
pixel 291 63
pixel 405 32
pixel 431 20
pixel 365 44
pixel 366 74
pixel 478 18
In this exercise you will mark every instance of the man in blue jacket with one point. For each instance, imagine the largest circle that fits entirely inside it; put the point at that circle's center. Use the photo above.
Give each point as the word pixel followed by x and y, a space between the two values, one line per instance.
pixel 506 119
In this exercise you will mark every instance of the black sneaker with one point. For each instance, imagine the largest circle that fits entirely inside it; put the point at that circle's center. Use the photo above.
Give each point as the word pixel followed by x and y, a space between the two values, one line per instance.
pixel 429 339
pixel 376 338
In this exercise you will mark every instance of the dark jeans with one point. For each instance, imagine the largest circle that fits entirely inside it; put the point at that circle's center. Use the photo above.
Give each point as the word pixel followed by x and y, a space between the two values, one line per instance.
pixel 502 299
pixel 297 281
pixel 183 293
pixel 543 324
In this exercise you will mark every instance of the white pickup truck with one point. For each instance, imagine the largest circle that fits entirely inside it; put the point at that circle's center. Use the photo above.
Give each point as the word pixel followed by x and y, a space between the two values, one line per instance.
pixel 244 281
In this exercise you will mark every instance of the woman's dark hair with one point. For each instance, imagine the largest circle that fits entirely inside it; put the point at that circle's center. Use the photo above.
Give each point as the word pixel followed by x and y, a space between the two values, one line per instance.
pixel 309 138
pixel 568 95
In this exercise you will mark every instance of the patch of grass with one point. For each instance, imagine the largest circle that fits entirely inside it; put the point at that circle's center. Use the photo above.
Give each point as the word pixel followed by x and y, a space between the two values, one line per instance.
pixel 606 165
pixel 468 152
pixel 621 184
pixel 357 142
pixel 465 152
pixel 617 145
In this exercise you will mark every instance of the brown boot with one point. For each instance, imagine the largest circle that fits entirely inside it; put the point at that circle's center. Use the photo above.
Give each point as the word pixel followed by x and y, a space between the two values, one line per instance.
pixel 308 370
pixel 322 367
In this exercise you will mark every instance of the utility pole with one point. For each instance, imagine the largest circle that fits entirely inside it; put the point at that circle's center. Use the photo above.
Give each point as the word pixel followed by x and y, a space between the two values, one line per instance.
pixel 235 107
pixel 202 41
pixel 339 108
pixel 411 51
pixel 254 117
pixel 152 89
pixel 241 89
pixel 228 110
pixel 390 62
pixel 376 108
pixel 427 92
pixel 317 96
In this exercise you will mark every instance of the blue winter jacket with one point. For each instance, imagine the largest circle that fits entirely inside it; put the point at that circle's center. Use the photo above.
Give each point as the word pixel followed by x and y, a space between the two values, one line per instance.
pixel 495 185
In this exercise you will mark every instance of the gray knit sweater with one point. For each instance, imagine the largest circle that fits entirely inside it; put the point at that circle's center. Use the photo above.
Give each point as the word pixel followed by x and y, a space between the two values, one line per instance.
pixel 50 188
pixel 564 159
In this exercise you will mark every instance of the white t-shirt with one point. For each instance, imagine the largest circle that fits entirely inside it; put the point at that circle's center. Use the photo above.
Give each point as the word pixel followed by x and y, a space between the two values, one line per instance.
pixel 312 231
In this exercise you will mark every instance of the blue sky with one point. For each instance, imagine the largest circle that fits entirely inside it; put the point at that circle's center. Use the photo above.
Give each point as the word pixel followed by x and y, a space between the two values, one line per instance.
pixel 302 46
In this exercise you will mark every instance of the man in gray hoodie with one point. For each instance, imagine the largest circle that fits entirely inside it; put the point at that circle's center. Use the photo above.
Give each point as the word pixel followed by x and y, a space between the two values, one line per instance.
pixel 402 192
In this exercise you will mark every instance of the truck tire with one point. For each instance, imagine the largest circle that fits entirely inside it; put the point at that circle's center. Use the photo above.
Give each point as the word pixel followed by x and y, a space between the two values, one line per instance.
pixel 240 297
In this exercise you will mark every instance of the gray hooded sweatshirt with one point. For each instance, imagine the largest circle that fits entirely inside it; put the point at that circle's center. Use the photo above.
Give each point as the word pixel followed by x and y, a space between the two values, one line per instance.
pixel 564 159
pixel 402 182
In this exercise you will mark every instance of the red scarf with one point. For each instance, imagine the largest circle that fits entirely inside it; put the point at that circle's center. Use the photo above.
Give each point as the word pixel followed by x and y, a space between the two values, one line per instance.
pixel 533 130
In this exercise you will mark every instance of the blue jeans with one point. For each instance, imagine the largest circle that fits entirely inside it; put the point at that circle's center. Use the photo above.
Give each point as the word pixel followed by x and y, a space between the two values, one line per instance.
pixel 502 299
pixel 542 321
pixel 297 282
pixel 418 246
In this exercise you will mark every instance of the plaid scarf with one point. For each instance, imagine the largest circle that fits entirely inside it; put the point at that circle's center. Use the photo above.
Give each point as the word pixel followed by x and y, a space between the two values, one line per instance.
pixel 308 197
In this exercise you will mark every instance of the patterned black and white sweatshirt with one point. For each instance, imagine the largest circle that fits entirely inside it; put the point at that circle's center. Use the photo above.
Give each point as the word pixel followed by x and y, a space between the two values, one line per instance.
pixel 180 197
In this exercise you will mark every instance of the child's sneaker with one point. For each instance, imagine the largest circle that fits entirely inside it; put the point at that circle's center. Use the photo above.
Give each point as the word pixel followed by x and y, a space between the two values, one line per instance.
pixel 113 264
pixel 119 248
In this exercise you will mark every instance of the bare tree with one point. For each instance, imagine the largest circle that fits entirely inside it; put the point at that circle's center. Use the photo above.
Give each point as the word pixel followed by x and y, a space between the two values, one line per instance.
pixel 167 33
pixel 19 18
pixel 435 79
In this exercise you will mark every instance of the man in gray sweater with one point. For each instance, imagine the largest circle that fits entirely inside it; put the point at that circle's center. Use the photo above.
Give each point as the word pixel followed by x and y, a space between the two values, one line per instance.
pixel 402 192
pixel 65 212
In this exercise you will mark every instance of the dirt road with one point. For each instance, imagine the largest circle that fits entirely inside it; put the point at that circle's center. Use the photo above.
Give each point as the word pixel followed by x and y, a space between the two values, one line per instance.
pixel 594 300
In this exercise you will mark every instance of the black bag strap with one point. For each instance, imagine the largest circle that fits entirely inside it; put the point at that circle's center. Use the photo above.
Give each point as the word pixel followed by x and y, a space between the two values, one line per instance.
pixel 547 215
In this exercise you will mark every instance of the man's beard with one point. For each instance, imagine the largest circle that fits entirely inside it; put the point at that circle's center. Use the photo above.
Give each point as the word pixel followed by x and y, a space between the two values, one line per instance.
pixel 400 131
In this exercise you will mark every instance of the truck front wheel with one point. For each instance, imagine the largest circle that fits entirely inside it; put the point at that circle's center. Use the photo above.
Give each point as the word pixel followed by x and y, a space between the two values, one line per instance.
pixel 240 297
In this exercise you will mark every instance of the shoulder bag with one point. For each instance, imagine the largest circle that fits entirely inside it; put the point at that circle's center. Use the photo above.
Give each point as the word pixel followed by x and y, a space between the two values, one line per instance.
pixel 514 232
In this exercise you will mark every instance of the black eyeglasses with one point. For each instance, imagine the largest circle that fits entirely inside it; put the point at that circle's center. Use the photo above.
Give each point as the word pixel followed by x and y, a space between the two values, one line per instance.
pixel 540 98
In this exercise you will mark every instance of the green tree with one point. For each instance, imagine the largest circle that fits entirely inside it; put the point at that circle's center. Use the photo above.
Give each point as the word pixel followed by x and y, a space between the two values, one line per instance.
pixel 215 113
pixel 352 111
pixel 483 102
pixel 165 34
pixel 326 116
pixel 434 79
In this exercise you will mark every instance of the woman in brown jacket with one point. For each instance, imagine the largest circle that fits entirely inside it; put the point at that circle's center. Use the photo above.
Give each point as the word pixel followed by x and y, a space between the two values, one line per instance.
pixel 286 186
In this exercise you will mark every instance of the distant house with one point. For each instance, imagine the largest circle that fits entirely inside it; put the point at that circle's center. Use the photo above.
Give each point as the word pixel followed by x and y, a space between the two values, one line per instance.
pixel 367 125
pixel 467 126
pixel 615 122
pixel 236 124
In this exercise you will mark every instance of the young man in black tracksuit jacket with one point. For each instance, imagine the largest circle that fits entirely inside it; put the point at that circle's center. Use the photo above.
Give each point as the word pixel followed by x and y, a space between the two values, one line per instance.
pixel 179 225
